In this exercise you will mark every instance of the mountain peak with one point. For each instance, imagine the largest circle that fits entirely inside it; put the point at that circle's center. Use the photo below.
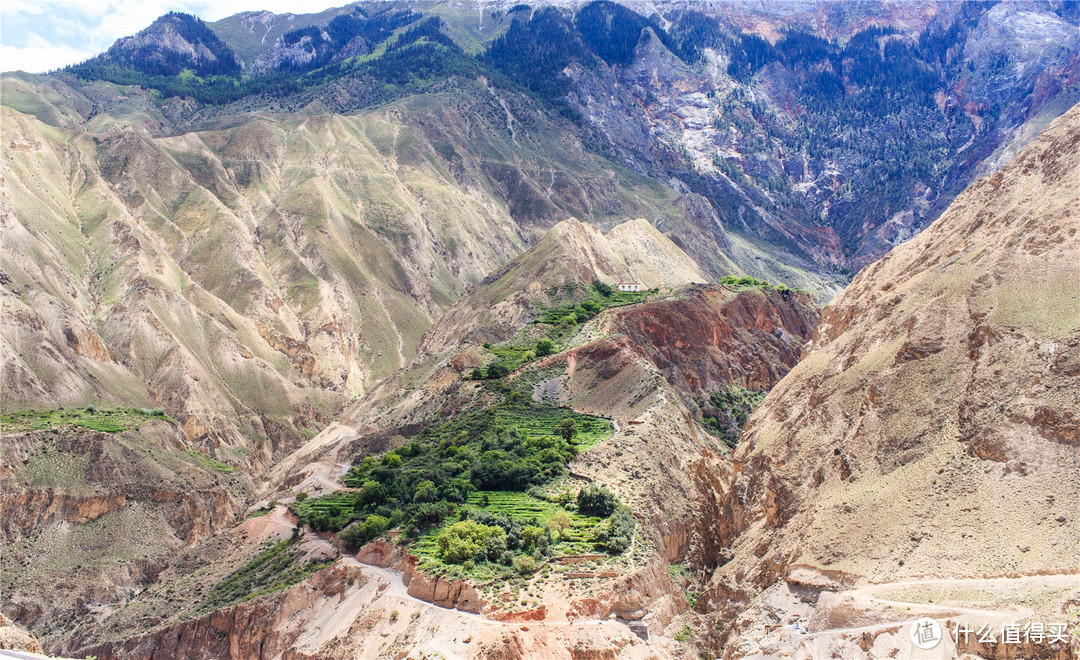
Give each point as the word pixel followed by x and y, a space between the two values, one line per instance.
pixel 172 43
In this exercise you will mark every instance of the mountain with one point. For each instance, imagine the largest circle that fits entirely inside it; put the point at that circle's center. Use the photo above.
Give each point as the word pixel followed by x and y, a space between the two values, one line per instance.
pixel 594 373
pixel 173 43
pixel 313 342
pixel 930 431
pixel 827 133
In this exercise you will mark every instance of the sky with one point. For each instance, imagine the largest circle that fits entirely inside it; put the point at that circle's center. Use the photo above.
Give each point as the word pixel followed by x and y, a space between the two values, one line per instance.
pixel 42 35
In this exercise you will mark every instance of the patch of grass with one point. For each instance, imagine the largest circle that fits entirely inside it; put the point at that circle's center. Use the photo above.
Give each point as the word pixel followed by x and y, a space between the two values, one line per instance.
pixel 683 634
pixel 94 418
pixel 209 462
pixel 275 568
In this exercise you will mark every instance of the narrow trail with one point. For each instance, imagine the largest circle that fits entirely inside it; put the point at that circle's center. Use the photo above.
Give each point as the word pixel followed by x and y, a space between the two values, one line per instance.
pixel 398 589
pixel 995 616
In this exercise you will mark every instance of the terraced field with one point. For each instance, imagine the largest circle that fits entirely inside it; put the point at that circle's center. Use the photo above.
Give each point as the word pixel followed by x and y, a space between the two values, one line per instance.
pixel 537 421
pixel 522 508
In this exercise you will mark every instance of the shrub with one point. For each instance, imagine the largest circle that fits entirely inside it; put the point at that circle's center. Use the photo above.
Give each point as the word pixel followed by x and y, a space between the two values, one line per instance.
pixel 360 533
pixel 497 370
pixel 615 535
pixel 372 492
pixel 425 492
pixel 601 288
pixel 300 497
pixel 530 535
pixel 525 565
pixel 545 347
pixel 593 500
pixel 469 540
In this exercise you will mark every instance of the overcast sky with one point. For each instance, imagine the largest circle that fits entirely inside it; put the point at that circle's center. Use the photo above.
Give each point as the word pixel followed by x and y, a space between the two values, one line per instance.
pixel 41 35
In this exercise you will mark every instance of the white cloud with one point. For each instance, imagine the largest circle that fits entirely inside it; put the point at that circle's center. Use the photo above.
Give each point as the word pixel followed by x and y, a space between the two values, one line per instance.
pixel 41 35
pixel 41 58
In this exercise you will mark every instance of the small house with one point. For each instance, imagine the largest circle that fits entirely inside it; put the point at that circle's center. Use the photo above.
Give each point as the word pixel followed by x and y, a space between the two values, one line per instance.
pixel 628 286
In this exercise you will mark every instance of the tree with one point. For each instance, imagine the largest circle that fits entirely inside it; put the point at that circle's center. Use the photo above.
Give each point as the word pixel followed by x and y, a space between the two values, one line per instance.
pixel 595 500
pixel 560 522
pixel 497 370
pixel 359 533
pixel 372 492
pixel 469 540
pixel 545 347
pixel 566 429
pixel 425 492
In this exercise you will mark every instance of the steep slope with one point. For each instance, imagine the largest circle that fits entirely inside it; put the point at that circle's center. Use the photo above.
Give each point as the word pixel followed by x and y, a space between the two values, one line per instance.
pixel 171 44
pixel 620 364
pixel 931 429
pixel 282 265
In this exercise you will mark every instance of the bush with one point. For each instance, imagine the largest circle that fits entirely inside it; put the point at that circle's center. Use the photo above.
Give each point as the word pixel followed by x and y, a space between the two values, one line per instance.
pixel 545 347
pixel 497 370
pixel 469 540
pixel 601 288
pixel 425 492
pixel 300 497
pixel 525 565
pixel 615 535
pixel 530 535
pixel 359 533
pixel 593 500
pixel 372 492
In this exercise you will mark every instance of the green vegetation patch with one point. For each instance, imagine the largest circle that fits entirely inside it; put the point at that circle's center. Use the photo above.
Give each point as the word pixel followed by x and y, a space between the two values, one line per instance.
pixel 107 420
pixel 726 411
pixel 557 326
pixel 512 445
pixel 500 534
pixel 749 282
pixel 209 462
pixel 275 568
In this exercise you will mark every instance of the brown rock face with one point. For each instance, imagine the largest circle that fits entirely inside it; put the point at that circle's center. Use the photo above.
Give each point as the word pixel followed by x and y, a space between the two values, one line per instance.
pixel 711 338
pixel 258 629
pixel 931 429
pixel 451 594
pixel 88 521
pixel 14 638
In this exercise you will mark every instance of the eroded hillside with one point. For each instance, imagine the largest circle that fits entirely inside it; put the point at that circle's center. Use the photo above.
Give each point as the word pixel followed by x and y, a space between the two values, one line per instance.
pixel 637 400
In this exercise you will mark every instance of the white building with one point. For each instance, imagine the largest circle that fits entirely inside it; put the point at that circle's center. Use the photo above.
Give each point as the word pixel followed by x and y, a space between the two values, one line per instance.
pixel 628 286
